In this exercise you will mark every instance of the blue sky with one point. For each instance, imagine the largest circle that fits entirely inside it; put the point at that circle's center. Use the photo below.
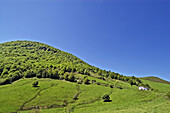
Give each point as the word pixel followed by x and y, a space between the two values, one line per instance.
pixel 131 37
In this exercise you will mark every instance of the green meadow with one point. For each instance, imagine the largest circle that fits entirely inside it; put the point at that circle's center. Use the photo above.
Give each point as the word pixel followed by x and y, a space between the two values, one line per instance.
pixel 56 96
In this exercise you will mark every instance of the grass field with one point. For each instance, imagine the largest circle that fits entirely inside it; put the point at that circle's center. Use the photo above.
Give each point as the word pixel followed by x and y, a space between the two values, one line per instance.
pixel 56 96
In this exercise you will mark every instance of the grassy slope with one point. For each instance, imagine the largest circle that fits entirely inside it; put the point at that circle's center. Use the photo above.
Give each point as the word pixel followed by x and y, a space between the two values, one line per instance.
pixel 162 87
pixel 155 79
pixel 58 96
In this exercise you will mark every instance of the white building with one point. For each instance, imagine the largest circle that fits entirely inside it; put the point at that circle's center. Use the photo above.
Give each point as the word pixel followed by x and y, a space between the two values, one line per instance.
pixel 142 88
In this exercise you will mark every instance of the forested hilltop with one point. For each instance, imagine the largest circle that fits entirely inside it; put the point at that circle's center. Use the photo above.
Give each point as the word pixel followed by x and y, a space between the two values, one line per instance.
pixel 27 59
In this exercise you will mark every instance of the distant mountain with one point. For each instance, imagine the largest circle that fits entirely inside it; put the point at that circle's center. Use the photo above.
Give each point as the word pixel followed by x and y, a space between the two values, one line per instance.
pixel 155 79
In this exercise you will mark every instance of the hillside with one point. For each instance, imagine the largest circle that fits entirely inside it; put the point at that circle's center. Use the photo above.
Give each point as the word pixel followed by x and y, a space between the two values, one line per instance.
pixel 67 84
pixel 56 96
pixel 155 79
pixel 33 59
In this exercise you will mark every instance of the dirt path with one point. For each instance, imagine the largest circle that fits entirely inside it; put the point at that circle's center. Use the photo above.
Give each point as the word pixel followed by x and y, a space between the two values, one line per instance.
pixel 23 105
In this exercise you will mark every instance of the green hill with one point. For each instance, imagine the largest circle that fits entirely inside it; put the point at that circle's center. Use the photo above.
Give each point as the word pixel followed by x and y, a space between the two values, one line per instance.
pixel 33 59
pixel 67 84
pixel 155 79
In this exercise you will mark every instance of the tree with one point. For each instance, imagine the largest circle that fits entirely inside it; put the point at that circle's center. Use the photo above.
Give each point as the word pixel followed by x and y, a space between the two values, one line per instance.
pixel 55 74
pixel 132 82
pixel 66 76
pixel 28 74
pixel 99 72
pixel 86 72
pixel 81 71
pixel 61 72
pixel 106 98
pixel 68 69
pixel 86 81
pixel 147 86
pixel 71 77
pixel 35 84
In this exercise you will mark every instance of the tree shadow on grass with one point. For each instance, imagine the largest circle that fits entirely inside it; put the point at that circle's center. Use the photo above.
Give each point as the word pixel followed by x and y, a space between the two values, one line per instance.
pixel 107 101
pixel 36 86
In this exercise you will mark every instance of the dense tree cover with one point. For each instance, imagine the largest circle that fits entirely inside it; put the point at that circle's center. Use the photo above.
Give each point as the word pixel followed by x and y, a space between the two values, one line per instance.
pixel 20 59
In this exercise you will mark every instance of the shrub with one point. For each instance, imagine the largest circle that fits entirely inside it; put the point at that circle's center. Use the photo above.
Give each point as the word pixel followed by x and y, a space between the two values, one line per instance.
pixel 55 74
pixel 106 98
pixel 35 84
pixel 28 74
pixel 39 75
pixel 98 83
pixel 79 81
pixel 66 76
pixel 111 86
pixel 75 97
pixel 71 77
pixel 86 81
pixel 84 77
pixel 2 81
pixel 8 80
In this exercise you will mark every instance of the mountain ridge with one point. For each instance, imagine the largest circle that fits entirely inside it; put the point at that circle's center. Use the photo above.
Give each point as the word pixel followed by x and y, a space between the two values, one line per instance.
pixel 155 79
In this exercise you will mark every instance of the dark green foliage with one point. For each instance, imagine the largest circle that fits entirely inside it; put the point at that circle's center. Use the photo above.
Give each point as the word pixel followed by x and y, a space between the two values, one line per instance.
pixel 71 77
pixel 66 76
pixel 86 81
pixel 36 59
pixel 84 77
pixel 111 86
pixel 98 83
pixel 99 72
pixel 132 82
pixel 28 74
pixel 147 86
pixel 55 74
pixel 79 81
pixel 106 98
pixel 35 84
pixel 61 72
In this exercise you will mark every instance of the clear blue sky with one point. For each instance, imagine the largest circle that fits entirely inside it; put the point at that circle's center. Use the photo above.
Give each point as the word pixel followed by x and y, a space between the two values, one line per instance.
pixel 131 37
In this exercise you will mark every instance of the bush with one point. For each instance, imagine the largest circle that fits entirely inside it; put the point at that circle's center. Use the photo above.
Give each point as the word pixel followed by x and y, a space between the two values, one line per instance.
pixel 79 81
pixel 75 97
pixel 93 81
pixel 28 74
pixel 55 74
pixel 106 98
pixel 86 81
pixel 39 75
pixel 111 86
pixel 66 76
pixel 71 77
pixel 98 83
pixel 35 84
pixel 2 81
